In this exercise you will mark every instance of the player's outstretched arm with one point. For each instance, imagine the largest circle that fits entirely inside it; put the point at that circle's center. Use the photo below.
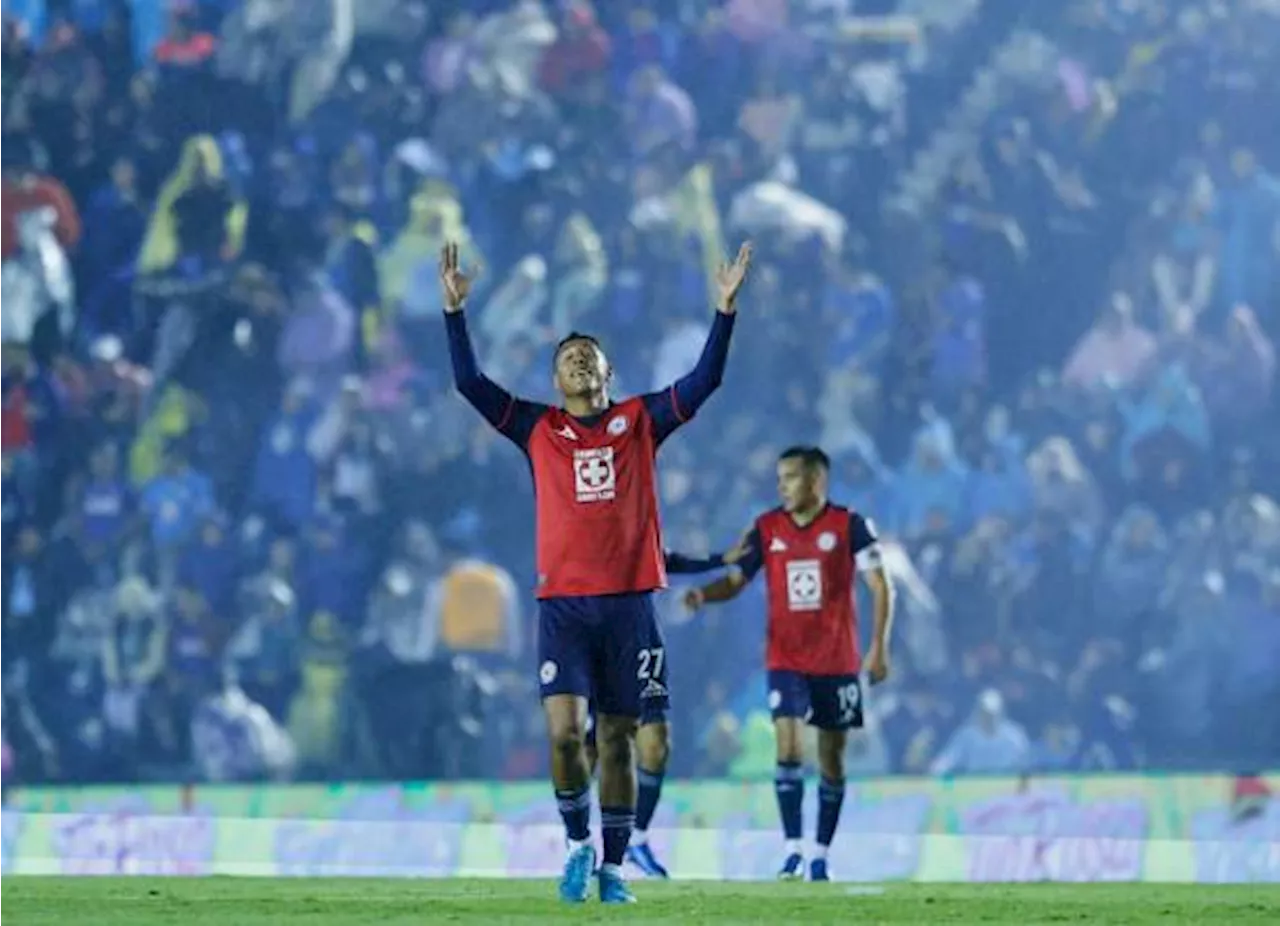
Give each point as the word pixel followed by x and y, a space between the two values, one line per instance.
pixel 747 558
pixel 725 588
pixel 513 417
pixel 679 564
pixel 678 403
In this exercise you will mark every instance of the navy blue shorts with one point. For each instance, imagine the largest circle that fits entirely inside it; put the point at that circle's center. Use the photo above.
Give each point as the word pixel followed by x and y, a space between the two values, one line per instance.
pixel 606 648
pixel 828 702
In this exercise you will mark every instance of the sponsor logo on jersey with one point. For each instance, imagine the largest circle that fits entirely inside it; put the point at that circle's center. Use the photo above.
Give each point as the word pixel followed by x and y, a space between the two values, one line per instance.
pixel 594 476
pixel 804 585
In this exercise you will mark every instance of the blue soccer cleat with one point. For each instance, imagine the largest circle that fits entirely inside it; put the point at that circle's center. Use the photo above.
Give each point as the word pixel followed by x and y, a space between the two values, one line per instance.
pixel 818 870
pixel 641 855
pixel 792 868
pixel 613 887
pixel 575 883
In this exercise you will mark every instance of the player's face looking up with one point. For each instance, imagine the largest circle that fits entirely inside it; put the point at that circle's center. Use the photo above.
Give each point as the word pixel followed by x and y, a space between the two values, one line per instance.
pixel 581 369
pixel 800 485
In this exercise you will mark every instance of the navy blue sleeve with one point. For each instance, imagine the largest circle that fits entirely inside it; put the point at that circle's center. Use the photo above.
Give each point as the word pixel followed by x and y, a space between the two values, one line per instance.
pixel 864 542
pixel 680 401
pixel 752 561
pixel 679 564
pixel 862 533
pixel 514 418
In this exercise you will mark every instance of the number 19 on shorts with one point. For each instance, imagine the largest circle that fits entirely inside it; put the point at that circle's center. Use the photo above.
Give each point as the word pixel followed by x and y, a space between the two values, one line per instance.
pixel 849 697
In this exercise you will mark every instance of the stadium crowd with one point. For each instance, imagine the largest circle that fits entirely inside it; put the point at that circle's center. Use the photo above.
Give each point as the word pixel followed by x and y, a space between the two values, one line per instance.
pixel 1018 275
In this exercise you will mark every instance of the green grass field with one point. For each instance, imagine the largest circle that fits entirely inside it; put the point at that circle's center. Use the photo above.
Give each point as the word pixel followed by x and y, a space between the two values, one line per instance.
pixel 345 902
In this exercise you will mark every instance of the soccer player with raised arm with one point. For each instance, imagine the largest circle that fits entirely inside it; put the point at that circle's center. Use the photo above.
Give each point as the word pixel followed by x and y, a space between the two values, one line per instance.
pixel 599 557
pixel 811 550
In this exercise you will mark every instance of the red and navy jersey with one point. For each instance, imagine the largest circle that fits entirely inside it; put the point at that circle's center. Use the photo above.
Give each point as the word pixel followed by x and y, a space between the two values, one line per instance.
pixel 809 573
pixel 597 502
pixel 595 478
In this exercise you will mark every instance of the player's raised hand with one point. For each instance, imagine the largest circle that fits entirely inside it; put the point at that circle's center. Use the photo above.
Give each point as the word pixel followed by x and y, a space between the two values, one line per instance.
pixel 454 284
pixel 730 277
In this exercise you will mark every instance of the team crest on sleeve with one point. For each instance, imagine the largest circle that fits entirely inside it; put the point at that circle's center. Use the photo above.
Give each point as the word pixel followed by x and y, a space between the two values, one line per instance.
pixel 826 541
pixel 618 425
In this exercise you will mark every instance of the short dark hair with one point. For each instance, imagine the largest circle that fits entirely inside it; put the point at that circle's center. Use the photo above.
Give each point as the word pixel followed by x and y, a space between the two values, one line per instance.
pixel 574 336
pixel 812 457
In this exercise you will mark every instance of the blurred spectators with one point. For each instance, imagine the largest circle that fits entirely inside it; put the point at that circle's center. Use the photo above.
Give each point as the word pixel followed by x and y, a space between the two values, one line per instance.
pixel 250 533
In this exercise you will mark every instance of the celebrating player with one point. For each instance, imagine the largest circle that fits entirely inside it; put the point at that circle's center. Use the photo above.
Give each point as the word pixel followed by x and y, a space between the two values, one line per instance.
pixel 811 550
pixel 653 737
pixel 599 557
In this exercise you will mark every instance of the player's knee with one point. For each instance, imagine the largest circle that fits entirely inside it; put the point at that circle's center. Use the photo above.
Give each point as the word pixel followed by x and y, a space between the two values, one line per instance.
pixel 568 737
pixel 790 754
pixel 790 749
pixel 653 747
pixel 615 742
pixel 790 745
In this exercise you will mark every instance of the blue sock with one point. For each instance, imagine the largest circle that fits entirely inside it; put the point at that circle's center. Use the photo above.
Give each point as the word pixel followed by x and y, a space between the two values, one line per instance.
pixel 830 800
pixel 789 785
pixel 575 811
pixel 648 790
pixel 615 825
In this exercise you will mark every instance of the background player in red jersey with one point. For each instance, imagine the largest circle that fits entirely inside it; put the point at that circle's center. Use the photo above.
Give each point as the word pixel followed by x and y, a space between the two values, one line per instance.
pixel 599 557
pixel 811 550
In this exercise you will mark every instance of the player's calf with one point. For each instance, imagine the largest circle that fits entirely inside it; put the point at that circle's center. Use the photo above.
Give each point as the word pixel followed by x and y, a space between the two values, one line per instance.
pixel 574 803
pixel 831 789
pixel 653 751
pixel 615 738
pixel 788 786
pixel 566 728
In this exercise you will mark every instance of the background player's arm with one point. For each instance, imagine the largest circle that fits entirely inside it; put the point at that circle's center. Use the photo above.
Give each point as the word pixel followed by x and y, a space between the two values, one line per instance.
pixel 866 550
pixel 679 402
pixel 513 417
pixel 679 564
pixel 750 558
